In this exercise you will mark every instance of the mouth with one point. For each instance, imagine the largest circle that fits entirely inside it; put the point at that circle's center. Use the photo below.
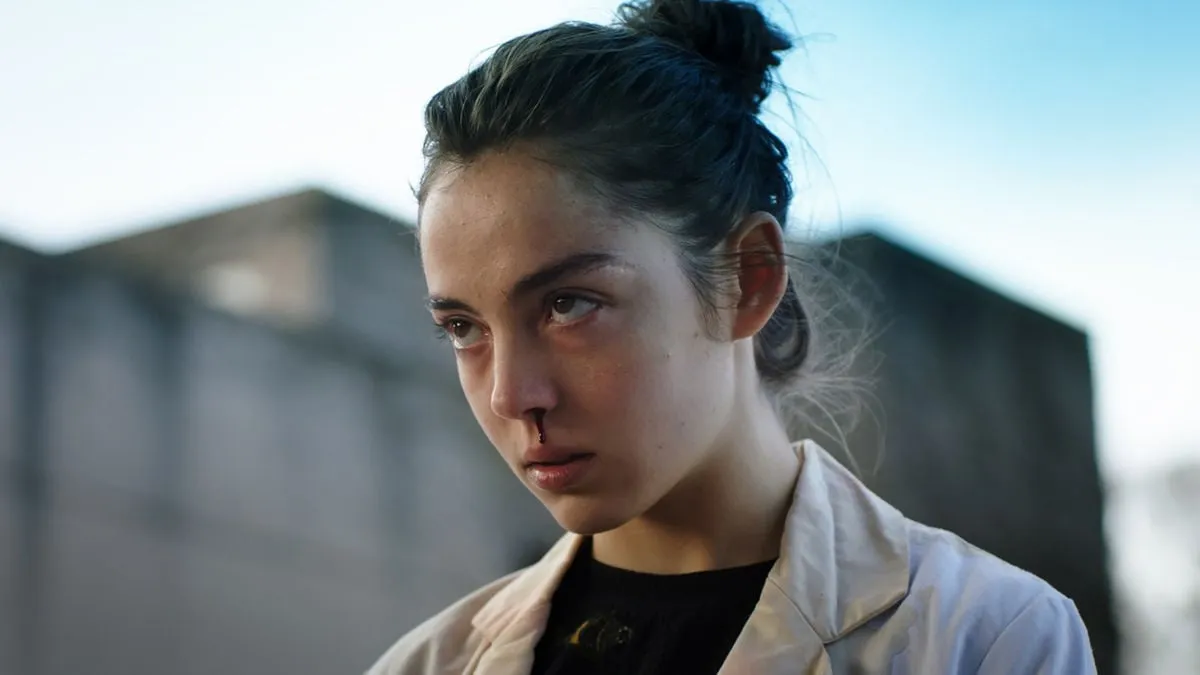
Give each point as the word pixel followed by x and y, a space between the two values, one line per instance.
pixel 560 473
pixel 560 461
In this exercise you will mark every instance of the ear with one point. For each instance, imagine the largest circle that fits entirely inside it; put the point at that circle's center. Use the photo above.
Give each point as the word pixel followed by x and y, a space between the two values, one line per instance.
pixel 756 248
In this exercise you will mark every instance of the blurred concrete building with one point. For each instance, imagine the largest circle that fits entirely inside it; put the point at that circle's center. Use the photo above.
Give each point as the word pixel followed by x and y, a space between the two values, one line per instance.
pixel 231 445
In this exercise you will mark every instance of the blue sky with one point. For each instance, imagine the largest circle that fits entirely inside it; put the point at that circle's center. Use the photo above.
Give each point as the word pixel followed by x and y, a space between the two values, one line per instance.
pixel 1051 149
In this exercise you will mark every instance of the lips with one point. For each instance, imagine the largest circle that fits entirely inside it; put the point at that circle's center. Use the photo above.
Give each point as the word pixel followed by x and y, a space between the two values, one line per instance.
pixel 550 455
pixel 562 462
pixel 557 470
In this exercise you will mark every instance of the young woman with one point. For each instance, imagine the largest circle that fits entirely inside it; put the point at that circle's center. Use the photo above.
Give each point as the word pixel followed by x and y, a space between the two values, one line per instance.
pixel 601 225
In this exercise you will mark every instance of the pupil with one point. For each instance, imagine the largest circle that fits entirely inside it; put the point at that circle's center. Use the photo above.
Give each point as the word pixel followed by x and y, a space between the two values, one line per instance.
pixel 564 305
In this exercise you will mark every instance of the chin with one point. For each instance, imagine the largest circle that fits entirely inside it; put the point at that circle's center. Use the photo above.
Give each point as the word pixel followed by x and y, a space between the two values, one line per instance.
pixel 587 516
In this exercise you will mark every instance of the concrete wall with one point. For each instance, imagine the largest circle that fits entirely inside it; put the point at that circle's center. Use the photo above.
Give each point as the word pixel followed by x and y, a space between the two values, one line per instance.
pixel 14 263
pixel 260 260
pixel 375 284
pixel 985 423
pixel 305 260
pixel 204 494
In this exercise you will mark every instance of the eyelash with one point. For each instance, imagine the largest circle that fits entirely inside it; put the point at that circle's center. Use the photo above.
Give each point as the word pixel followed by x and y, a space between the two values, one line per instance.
pixel 442 328
pixel 555 297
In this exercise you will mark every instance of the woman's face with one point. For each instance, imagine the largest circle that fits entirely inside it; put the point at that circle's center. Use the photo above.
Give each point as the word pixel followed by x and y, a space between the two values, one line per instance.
pixel 558 310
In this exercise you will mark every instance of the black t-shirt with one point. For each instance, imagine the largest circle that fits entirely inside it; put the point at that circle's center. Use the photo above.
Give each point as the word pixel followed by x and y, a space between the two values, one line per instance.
pixel 609 621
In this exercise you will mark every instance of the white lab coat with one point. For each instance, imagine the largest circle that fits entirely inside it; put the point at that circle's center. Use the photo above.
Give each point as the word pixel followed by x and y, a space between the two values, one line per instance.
pixel 858 588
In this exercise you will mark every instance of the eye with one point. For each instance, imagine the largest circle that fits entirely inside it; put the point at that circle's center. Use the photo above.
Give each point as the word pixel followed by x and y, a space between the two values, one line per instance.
pixel 568 308
pixel 461 333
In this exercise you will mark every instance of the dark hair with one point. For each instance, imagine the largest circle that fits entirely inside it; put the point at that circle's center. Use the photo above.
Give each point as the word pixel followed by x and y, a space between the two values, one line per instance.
pixel 658 115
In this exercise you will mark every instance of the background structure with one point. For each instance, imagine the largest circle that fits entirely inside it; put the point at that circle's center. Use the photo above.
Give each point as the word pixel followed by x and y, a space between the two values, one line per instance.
pixel 231 445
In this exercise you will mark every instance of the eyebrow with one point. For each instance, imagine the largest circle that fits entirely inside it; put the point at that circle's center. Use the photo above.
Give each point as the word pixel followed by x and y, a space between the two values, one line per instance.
pixel 577 263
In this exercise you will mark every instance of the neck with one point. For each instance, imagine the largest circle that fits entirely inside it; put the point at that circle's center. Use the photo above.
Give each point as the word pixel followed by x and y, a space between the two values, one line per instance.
pixel 728 512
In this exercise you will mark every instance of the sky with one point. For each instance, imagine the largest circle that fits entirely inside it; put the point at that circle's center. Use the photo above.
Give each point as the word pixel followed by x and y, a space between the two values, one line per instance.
pixel 1049 149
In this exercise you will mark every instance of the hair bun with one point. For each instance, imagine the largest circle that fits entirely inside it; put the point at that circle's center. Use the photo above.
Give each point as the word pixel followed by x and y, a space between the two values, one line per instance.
pixel 734 36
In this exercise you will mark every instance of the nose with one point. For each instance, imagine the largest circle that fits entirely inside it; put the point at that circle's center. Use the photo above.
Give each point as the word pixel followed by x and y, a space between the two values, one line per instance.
pixel 522 382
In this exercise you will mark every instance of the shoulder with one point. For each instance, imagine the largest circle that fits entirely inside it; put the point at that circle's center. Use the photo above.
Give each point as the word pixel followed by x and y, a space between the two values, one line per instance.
pixel 444 643
pixel 943 562
pixel 1003 619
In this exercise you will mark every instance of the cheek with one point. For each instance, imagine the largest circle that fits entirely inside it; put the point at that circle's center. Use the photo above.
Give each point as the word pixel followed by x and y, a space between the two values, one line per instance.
pixel 676 385
pixel 608 383
pixel 630 369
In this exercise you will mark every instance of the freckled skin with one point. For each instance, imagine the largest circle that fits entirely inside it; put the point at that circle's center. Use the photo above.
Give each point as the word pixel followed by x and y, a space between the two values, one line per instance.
pixel 691 467
pixel 637 381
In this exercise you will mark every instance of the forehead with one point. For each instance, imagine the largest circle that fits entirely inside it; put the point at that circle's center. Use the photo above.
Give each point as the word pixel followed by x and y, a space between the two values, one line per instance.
pixel 499 197
pixel 489 222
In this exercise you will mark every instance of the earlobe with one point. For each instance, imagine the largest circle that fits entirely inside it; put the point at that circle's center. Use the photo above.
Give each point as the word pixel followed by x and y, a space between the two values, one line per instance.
pixel 757 247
